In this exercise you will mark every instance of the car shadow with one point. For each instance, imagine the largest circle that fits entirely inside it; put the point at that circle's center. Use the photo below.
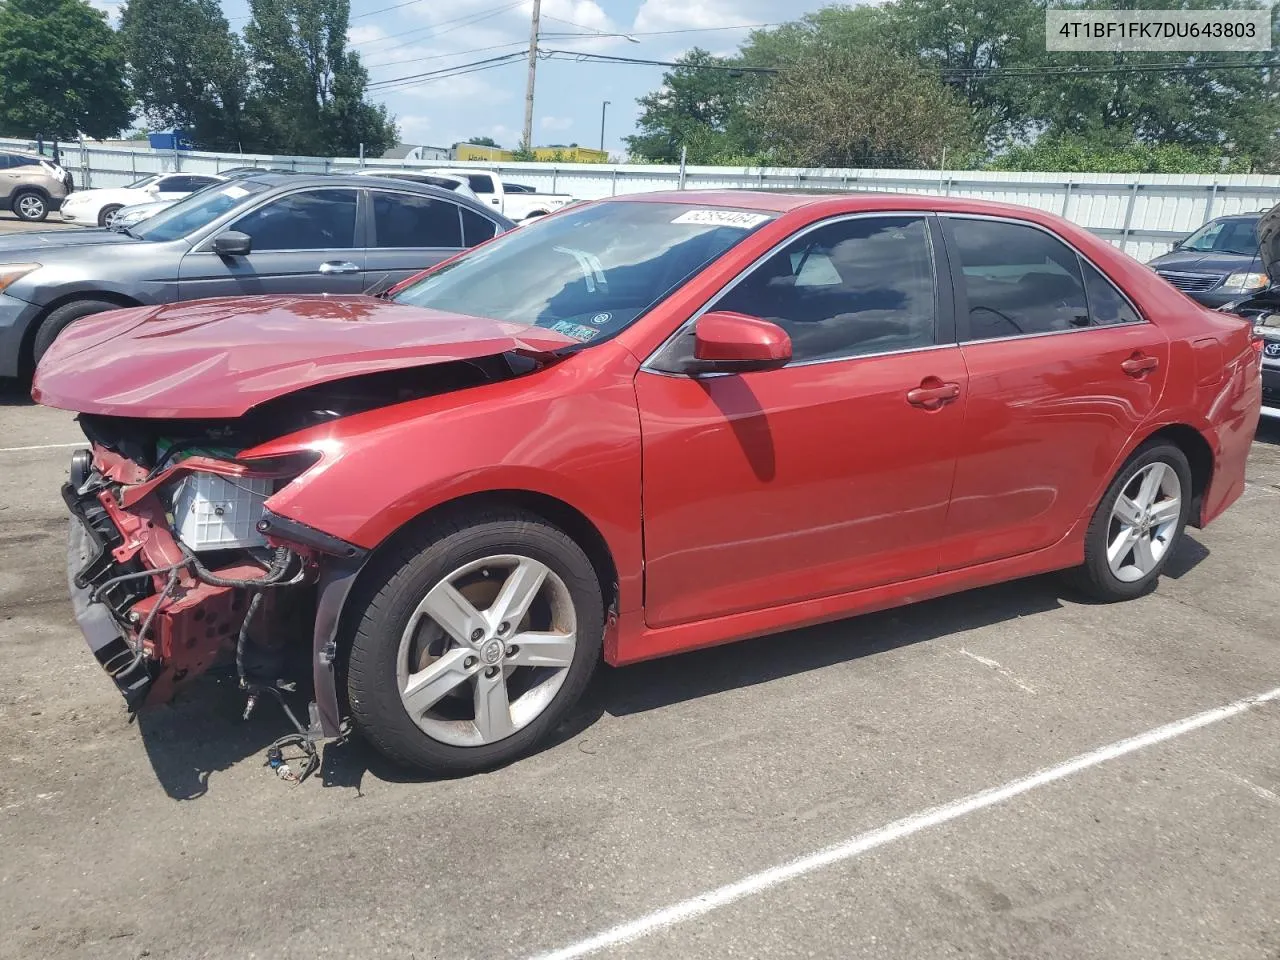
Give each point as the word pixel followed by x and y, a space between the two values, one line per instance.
pixel 16 393
pixel 202 732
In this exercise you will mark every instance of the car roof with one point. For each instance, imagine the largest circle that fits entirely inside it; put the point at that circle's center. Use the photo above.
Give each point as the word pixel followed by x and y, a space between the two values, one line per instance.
pixel 833 201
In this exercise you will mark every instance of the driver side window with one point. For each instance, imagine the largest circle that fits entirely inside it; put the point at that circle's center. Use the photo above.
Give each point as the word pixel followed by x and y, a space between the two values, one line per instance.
pixel 854 287
pixel 312 220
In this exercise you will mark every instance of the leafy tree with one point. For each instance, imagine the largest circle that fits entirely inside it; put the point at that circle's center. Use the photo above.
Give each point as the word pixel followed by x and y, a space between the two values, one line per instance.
pixel 61 71
pixel 700 106
pixel 835 107
pixel 188 69
pixel 309 88
pixel 484 142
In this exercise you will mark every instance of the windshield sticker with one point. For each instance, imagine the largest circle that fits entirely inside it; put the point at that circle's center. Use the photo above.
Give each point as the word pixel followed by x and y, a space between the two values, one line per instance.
pixel 722 218
pixel 575 330
pixel 600 319
pixel 234 192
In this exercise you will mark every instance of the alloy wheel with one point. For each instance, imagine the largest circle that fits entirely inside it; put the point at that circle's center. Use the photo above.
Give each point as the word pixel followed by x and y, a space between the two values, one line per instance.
pixel 30 206
pixel 1144 521
pixel 486 650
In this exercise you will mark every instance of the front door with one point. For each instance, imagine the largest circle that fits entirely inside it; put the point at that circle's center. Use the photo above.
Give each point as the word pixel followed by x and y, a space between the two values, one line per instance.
pixel 303 242
pixel 1062 372
pixel 828 475
pixel 411 232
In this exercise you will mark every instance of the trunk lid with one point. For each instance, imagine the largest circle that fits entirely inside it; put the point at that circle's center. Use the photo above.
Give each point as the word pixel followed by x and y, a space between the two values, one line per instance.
pixel 218 358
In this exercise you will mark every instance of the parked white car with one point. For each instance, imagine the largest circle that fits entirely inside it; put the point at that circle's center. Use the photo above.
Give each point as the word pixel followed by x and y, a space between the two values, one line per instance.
pixel 492 192
pixel 93 208
pixel 446 181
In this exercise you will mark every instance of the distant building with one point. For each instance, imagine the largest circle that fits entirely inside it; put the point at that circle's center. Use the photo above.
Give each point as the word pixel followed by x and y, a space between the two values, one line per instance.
pixel 409 151
pixel 552 154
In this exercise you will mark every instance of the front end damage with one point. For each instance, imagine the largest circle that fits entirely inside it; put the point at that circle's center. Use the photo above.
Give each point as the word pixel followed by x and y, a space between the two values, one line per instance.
pixel 176 564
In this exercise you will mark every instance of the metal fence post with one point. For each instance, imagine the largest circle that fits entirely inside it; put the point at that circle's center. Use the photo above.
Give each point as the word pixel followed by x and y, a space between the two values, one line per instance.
pixel 553 179
pixel 1066 199
pixel 1128 217
pixel 613 183
pixel 1213 195
pixel 86 180
pixel 684 153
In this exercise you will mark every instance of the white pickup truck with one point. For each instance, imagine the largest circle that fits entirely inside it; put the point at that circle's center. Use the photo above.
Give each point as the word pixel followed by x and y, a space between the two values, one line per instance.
pixel 511 204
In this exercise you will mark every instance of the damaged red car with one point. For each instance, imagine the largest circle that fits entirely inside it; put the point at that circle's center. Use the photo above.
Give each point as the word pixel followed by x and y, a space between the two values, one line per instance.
pixel 634 428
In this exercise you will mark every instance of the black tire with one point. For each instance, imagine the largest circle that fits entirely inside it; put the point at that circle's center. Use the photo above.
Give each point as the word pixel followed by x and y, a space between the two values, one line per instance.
pixel 391 592
pixel 61 318
pixel 30 205
pixel 105 213
pixel 1095 577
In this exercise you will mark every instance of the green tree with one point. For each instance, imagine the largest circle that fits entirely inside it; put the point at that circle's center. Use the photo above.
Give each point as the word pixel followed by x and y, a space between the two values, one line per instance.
pixel 1083 154
pixel 188 69
pixel 702 107
pixel 309 88
pixel 836 107
pixel 61 71
pixel 484 142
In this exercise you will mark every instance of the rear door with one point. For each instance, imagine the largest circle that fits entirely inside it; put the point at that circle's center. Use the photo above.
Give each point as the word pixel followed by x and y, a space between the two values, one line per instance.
pixel 408 232
pixel 303 242
pixel 1062 371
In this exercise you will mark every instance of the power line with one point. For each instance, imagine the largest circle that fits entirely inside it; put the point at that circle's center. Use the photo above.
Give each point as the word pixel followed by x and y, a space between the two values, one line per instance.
pixel 582 55
pixel 442 56
pixel 503 58
pixel 469 19
pixel 458 72
pixel 658 33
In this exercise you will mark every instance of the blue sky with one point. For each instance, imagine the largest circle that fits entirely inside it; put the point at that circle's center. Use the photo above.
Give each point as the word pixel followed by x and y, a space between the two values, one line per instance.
pixel 427 35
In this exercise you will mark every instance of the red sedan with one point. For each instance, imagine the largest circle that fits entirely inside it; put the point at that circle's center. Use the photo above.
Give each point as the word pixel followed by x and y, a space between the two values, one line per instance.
pixel 634 428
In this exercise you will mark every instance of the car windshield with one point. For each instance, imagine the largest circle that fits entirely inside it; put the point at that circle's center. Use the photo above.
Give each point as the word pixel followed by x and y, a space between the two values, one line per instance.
pixel 193 212
pixel 1225 236
pixel 145 181
pixel 589 272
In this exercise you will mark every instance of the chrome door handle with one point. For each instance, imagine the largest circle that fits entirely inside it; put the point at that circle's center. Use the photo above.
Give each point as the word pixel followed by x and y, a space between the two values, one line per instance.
pixel 339 266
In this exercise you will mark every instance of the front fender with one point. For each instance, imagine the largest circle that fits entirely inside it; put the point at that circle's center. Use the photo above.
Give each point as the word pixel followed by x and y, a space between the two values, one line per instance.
pixel 571 433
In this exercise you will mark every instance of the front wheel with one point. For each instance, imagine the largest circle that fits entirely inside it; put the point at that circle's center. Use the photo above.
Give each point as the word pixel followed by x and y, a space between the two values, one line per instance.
pixel 108 212
pixel 1137 525
pixel 473 641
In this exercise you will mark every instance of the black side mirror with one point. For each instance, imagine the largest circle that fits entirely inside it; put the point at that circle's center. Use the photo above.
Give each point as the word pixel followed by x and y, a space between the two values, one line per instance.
pixel 233 243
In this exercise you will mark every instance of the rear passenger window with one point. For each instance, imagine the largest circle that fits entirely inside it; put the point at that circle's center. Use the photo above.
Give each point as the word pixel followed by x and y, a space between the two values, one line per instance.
pixel 1106 304
pixel 854 287
pixel 475 228
pixel 480 182
pixel 410 220
pixel 1019 280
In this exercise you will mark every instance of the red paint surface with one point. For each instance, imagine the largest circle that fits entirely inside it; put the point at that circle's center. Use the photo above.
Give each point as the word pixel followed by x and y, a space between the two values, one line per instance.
pixel 769 499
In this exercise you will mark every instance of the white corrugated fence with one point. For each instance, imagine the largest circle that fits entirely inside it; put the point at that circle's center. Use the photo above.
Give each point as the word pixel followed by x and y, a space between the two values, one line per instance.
pixel 1141 213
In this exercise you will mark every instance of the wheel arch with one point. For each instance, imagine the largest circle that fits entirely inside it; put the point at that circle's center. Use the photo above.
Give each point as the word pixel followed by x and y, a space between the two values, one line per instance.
pixel 1199 454
pixel 330 676
pixel 27 359
pixel 22 188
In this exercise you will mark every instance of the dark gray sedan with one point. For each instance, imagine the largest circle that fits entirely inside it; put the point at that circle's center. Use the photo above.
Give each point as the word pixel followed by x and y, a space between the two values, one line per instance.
pixel 272 233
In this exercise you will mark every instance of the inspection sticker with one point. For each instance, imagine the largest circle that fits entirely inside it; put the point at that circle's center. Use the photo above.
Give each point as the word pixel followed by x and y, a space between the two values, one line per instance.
pixel 722 218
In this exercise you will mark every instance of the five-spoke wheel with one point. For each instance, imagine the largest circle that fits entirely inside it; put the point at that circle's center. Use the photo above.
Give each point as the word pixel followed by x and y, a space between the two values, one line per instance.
pixel 475 638
pixel 1137 524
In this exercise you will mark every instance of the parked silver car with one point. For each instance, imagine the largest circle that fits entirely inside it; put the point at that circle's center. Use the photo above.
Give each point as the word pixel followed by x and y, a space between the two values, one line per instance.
pixel 273 233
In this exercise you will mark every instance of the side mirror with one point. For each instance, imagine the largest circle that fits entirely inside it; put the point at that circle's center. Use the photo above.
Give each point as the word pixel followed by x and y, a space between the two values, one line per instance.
pixel 233 243
pixel 726 342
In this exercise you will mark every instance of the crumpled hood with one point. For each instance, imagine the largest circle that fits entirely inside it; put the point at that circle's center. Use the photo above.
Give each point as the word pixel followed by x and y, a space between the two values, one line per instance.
pixel 1269 242
pixel 218 358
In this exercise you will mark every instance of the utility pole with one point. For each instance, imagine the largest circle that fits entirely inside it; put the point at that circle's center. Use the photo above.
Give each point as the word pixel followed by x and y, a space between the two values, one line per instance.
pixel 527 142
pixel 603 107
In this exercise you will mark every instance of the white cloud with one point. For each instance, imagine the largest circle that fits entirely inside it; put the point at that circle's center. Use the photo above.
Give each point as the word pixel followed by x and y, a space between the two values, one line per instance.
pixel 555 123
pixel 704 14
pixel 110 7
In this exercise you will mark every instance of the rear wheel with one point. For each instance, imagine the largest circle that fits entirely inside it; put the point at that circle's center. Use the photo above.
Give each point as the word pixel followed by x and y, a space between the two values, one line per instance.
pixel 30 205
pixel 473 642
pixel 61 318
pixel 1137 525
pixel 107 212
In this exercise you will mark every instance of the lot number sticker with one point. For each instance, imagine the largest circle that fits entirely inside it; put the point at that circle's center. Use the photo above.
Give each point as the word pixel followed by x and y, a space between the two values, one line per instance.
pixel 722 218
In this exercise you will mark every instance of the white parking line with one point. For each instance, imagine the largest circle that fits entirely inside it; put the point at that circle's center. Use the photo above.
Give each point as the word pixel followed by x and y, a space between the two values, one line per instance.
pixel 44 446
pixel 856 846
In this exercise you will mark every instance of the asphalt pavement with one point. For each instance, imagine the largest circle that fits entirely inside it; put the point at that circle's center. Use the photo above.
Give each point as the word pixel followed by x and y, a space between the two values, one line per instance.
pixel 1002 773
